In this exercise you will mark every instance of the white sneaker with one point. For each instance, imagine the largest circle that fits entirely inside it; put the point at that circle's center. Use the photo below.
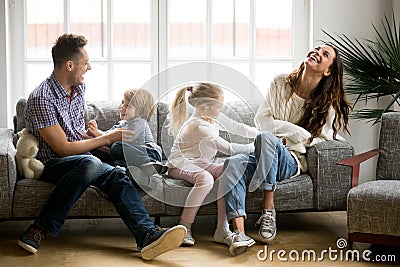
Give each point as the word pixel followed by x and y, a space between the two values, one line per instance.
pixel 267 224
pixel 240 243
pixel 188 241
pixel 226 238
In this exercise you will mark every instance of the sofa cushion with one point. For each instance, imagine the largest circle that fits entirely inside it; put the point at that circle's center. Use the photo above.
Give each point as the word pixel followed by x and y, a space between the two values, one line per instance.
pixel 243 112
pixel 104 112
pixel 19 121
pixel 290 194
pixel 31 195
pixel 374 207
pixel 176 192
pixel 164 139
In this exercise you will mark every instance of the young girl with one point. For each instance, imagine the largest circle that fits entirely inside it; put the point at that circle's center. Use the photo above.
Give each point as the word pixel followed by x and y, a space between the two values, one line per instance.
pixel 197 142
pixel 141 151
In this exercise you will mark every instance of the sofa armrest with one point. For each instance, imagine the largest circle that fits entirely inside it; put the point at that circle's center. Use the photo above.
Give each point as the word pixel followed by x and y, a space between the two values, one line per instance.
pixel 331 181
pixel 355 161
pixel 8 172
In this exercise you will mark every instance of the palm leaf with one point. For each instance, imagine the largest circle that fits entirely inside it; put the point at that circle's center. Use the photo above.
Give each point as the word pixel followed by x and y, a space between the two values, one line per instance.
pixel 371 115
pixel 372 67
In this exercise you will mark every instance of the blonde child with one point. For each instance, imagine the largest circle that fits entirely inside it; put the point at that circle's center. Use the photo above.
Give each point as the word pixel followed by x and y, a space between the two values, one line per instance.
pixel 196 143
pixel 135 110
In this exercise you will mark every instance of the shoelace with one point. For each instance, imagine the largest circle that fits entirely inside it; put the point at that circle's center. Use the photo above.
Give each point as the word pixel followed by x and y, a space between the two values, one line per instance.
pixel 239 236
pixel 36 234
pixel 235 237
pixel 266 222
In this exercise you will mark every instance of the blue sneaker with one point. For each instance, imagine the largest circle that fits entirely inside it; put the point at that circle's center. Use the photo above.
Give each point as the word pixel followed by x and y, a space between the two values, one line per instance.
pixel 31 239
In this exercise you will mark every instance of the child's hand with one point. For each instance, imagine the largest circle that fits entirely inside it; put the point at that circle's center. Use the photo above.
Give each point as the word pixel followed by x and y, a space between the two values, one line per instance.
pixel 93 130
pixel 92 125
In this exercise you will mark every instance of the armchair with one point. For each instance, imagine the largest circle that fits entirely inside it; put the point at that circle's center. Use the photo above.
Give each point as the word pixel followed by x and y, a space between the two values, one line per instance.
pixel 373 208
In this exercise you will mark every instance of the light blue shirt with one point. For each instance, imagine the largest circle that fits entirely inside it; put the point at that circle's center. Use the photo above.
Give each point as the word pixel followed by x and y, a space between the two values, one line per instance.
pixel 143 136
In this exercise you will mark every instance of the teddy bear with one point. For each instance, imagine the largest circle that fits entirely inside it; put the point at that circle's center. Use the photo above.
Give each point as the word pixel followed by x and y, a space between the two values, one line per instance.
pixel 27 148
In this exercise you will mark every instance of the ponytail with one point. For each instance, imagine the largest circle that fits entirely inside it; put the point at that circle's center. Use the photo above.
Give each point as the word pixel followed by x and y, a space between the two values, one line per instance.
pixel 200 93
pixel 178 111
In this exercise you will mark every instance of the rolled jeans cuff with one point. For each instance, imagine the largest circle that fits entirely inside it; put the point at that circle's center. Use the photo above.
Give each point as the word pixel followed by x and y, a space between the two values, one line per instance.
pixel 268 187
pixel 236 214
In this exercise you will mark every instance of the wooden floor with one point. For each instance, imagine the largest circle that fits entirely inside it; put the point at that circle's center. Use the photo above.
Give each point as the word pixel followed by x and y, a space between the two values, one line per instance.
pixel 107 242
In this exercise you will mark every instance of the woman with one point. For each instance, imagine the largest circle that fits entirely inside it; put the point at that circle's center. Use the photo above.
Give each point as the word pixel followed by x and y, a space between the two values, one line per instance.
pixel 300 109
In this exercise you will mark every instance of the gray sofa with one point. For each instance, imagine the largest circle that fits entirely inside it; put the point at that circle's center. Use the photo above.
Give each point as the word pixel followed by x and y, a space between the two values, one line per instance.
pixel 324 187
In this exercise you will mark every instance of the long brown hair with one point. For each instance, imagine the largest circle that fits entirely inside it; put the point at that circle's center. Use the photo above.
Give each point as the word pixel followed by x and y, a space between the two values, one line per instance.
pixel 329 92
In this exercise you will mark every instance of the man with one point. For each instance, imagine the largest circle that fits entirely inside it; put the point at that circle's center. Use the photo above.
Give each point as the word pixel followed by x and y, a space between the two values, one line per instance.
pixel 55 115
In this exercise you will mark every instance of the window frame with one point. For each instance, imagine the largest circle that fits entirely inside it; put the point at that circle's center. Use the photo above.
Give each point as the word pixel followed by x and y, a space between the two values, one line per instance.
pixel 301 38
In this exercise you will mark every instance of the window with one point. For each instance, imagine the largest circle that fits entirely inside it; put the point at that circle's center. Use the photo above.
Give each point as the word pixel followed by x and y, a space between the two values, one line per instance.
pixel 119 34
pixel 252 37
pixel 132 40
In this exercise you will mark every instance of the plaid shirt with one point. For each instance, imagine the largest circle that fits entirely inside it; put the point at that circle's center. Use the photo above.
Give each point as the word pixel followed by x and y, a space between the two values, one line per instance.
pixel 48 105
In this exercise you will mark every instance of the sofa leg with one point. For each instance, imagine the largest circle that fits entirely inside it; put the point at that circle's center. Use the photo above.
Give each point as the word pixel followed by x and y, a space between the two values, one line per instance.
pixel 350 240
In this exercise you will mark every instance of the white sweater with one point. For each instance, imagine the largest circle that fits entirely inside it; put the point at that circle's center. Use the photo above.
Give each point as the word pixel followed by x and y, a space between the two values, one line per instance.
pixel 198 141
pixel 279 114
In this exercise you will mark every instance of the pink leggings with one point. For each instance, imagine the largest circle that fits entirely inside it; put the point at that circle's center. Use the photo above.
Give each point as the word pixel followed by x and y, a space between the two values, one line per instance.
pixel 202 177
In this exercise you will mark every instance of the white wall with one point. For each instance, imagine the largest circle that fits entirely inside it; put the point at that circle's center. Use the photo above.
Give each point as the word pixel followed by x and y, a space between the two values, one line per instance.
pixel 354 18
pixel 396 8
pixel 3 64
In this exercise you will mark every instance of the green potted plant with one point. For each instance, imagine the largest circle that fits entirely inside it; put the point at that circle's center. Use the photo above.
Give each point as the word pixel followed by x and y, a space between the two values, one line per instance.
pixel 372 67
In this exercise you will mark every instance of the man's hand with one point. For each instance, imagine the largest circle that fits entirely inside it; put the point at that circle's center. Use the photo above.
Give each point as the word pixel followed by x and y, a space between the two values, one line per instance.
pixel 120 134
pixel 85 135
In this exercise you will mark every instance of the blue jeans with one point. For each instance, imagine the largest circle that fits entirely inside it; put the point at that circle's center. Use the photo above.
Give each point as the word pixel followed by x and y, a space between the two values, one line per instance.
pixel 73 175
pixel 127 154
pixel 266 166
